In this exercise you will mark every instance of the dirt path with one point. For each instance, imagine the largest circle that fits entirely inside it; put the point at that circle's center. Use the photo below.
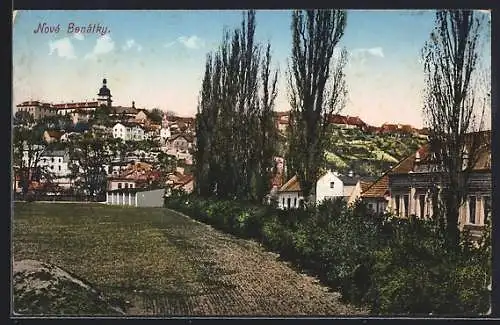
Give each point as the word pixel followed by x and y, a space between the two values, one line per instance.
pixel 237 277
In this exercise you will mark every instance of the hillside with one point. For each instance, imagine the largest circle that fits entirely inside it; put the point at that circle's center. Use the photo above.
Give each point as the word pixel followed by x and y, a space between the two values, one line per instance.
pixel 364 153
pixel 368 154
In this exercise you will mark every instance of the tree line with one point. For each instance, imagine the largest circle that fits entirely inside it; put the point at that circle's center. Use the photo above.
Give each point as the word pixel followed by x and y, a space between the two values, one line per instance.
pixel 236 134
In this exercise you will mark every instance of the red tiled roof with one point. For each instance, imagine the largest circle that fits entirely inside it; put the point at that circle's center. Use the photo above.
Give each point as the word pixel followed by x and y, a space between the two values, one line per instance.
pixel 483 154
pixel 291 186
pixel 355 120
pixel 338 119
pixel 365 185
pixel 377 189
pixel 348 120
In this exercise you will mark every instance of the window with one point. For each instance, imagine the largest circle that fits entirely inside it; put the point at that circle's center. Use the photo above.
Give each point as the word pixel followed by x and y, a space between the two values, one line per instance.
pixel 472 210
pixel 131 185
pixel 397 198
pixel 60 160
pixel 59 167
pixel 406 200
pixel 486 207
pixel 421 201
pixel 332 184
pixel 51 159
pixel 126 185
pixel 119 185
pixel 370 206
pixel 289 201
pixel 295 202
pixel 283 202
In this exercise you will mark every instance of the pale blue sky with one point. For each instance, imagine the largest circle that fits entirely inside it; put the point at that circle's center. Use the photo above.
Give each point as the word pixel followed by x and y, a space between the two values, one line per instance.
pixel 157 58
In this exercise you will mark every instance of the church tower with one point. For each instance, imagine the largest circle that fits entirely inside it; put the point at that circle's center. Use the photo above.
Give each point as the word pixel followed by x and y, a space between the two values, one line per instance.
pixel 104 95
pixel 165 129
pixel 164 121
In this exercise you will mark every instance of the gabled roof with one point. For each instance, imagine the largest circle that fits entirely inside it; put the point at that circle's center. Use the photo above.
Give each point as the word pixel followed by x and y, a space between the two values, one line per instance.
pixel 291 186
pixel 377 189
pixel 365 185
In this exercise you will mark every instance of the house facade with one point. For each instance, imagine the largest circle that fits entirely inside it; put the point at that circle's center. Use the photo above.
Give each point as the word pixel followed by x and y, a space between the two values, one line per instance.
pixel 57 163
pixel 412 181
pixel 181 142
pixel 329 186
pixel 37 109
pixel 289 196
pixel 128 131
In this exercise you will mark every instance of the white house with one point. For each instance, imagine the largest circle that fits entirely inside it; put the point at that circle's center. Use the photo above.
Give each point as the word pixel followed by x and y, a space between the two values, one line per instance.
pixel 128 131
pixel 328 186
pixel 57 163
pixel 290 195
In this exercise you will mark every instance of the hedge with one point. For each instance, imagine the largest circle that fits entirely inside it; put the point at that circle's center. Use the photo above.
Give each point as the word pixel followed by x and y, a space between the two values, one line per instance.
pixel 392 266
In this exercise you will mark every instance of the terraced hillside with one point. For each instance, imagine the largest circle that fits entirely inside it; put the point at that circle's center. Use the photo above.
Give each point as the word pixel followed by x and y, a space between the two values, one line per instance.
pixel 368 154
pixel 153 261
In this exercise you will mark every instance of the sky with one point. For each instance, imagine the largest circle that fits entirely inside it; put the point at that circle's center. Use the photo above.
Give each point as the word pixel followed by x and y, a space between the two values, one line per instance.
pixel 157 58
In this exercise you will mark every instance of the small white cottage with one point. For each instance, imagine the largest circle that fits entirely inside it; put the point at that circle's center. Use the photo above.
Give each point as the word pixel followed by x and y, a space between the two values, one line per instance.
pixel 328 186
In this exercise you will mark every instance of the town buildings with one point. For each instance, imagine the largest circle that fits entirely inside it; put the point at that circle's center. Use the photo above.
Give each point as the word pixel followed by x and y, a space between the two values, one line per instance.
pixel 330 185
pixel 126 123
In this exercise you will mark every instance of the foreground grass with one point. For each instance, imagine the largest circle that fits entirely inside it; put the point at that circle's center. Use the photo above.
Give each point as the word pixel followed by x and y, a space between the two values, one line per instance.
pixel 164 263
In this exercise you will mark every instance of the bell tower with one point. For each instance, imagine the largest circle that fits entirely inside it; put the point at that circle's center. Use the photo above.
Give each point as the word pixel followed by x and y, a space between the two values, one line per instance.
pixel 104 95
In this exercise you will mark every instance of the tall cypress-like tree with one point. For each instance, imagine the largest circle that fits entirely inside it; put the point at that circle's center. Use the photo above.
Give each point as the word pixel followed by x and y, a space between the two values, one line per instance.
pixel 454 108
pixel 317 89
pixel 234 125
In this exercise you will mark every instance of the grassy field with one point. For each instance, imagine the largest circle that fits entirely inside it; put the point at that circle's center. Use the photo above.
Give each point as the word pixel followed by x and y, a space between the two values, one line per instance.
pixel 162 263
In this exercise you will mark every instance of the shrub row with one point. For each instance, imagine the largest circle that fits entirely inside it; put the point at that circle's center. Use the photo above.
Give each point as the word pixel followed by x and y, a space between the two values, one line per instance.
pixel 393 266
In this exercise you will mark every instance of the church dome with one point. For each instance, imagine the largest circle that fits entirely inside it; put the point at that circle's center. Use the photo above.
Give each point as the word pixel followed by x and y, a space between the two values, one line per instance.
pixel 104 91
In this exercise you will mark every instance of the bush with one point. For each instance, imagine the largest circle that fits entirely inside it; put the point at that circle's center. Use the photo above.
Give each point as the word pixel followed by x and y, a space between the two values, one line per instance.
pixel 418 274
pixel 391 265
